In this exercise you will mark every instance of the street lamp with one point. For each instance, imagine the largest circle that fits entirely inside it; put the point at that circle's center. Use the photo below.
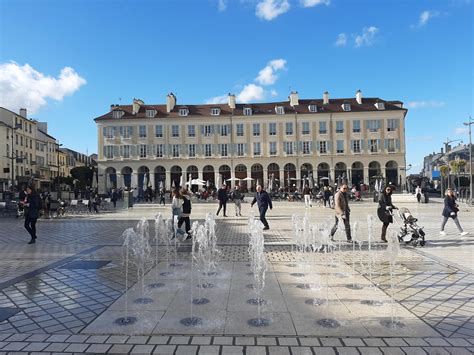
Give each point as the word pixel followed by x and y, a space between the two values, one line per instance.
pixel 406 177
pixel 57 176
pixel 14 156
pixel 446 144
pixel 469 124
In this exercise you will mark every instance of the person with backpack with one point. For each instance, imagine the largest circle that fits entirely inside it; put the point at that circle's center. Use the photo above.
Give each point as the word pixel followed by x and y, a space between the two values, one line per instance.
pixel 237 197
pixel 186 212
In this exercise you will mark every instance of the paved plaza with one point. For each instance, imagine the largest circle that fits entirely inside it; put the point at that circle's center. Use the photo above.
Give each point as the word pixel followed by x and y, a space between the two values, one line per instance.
pixel 64 294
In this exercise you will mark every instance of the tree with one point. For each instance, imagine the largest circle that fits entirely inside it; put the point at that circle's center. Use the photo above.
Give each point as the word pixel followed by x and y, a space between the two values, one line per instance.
pixel 83 175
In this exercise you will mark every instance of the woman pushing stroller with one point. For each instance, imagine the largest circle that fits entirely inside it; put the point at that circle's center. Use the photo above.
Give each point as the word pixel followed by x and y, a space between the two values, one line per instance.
pixel 384 211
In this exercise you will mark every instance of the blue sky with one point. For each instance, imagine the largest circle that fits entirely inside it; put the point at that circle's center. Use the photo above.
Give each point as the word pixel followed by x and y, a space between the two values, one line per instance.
pixel 67 61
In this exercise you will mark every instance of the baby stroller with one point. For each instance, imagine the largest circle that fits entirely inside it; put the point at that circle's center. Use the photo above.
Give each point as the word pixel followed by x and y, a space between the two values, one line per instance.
pixel 410 232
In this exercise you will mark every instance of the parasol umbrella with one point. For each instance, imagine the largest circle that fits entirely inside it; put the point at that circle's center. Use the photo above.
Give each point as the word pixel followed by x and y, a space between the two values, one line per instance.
pixel 233 179
pixel 197 182
pixel 248 179
pixel 181 180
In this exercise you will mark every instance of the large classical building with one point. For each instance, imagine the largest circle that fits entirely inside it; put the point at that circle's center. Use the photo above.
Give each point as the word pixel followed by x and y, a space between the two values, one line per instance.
pixel 321 140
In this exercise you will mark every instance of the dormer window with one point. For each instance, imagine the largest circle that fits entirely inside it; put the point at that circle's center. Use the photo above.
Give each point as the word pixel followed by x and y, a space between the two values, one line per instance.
pixel 215 111
pixel 346 106
pixel 280 110
pixel 380 105
pixel 247 111
pixel 183 111
pixel 150 113
pixel 117 114
pixel 313 108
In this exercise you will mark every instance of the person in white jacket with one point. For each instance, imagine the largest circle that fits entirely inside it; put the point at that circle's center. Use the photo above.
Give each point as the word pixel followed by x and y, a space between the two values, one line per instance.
pixel 418 193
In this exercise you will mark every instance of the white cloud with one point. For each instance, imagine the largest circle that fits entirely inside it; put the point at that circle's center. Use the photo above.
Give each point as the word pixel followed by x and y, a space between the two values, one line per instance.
pixel 312 3
pixel 461 131
pixel 425 16
pixel 271 9
pixel 251 92
pixel 367 37
pixel 273 92
pixel 341 40
pixel 222 5
pixel 267 75
pixel 222 99
pixel 425 104
pixel 23 86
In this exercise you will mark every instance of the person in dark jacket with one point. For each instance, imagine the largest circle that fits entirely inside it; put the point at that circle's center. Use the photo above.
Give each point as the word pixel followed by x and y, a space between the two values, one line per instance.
pixel 222 197
pixel 263 202
pixel 384 211
pixel 33 206
pixel 343 212
pixel 451 210
pixel 114 197
pixel 186 211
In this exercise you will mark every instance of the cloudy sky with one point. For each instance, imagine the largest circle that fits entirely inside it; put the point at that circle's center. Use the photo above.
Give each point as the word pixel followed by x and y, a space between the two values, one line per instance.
pixel 67 61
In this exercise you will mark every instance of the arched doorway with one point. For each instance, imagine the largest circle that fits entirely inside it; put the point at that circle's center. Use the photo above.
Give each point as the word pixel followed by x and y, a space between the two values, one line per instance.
pixel 289 174
pixel 241 173
pixel 374 169
pixel 176 173
pixel 357 173
pixel 160 177
pixel 110 178
pixel 340 173
pixel 306 171
pixel 273 170
pixel 256 172
pixel 192 173
pixel 391 172
pixel 225 173
pixel 143 179
pixel 208 175
pixel 127 176
pixel 323 174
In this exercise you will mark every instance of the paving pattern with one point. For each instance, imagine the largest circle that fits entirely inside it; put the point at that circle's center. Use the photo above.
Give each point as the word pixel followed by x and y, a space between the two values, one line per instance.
pixel 54 293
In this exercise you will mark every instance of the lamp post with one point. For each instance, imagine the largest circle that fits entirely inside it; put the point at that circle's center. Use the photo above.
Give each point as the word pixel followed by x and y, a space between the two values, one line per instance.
pixel 406 177
pixel 469 124
pixel 446 145
pixel 57 176
pixel 14 156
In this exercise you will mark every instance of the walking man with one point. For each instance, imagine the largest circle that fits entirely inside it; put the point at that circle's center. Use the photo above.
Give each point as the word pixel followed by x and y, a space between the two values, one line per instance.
pixel 237 197
pixel 33 206
pixel 341 207
pixel 307 196
pixel 222 197
pixel 263 202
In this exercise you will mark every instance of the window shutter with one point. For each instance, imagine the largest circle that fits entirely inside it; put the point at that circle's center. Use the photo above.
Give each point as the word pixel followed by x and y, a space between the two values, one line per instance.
pixel 397 144
pixel 386 144
pixel 215 148
pixel 379 145
pixel 116 151
pixel 121 150
pixel 245 148
pixel 284 147
pixel 202 129
pixel 362 145
pixel 309 146
pixel 329 146
pixel 218 129
pixel 104 131
pixel 133 150
pixel 300 146
pixel 198 149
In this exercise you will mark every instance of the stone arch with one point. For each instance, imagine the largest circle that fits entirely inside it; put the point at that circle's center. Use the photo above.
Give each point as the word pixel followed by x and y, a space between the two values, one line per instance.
pixel 289 174
pixel 340 172
pixel 176 172
pixel 306 171
pixel 273 171
pixel 391 172
pixel 256 171
pixel 160 177
pixel 225 172
pixel 357 173
pixel 208 174
pixel 127 176
pixel 323 174
pixel 240 171
pixel 374 169
pixel 110 178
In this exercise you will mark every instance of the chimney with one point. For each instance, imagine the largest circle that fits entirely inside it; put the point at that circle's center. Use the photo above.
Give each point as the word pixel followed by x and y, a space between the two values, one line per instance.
pixel 136 105
pixel 23 112
pixel 231 101
pixel 442 150
pixel 325 98
pixel 359 97
pixel 294 100
pixel 170 102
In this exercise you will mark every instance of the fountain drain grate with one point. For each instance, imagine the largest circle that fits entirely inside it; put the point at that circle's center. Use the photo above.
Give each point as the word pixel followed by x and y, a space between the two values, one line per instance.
pixel 143 300
pixel 200 301
pixel 309 286
pixel 125 321
pixel 156 285
pixel 373 303
pixel 354 287
pixel 392 324
pixel 206 285
pixel 259 322
pixel 212 273
pixel 297 274
pixel 191 321
pixel 166 273
pixel 315 302
pixel 176 264
pixel 257 301
pixel 251 286
pixel 328 323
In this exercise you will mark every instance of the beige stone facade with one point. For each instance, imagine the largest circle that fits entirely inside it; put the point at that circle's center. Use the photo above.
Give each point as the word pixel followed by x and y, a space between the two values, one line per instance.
pixel 333 140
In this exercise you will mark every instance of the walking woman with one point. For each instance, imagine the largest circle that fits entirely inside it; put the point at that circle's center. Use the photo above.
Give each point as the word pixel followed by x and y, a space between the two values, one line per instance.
pixel 384 211
pixel 186 212
pixel 451 211
pixel 33 206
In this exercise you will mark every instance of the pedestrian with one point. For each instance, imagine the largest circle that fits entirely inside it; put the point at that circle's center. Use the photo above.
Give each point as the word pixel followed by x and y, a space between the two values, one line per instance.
pixel 307 196
pixel 162 194
pixel 222 197
pixel 451 210
pixel 176 205
pixel 326 196
pixel 33 206
pixel 237 197
pixel 263 202
pixel 186 211
pixel 114 197
pixel 384 210
pixel 418 193
pixel 342 211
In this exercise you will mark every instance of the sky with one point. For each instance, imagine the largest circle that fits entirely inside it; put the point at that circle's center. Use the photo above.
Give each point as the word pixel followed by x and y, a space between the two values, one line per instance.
pixel 68 61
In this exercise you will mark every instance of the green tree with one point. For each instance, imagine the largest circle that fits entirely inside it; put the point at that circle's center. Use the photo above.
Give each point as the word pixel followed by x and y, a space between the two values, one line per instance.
pixel 83 174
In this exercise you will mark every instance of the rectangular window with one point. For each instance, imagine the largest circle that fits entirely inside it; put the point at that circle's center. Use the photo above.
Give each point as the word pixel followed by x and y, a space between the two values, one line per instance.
pixel 142 150
pixel 183 111
pixel 142 131
pixel 159 150
pixel 109 132
pixel 323 147
pixel 256 149
pixel 240 149
pixel 305 128
pixel 391 146
pixel 373 125
pixel 279 110
pixel 356 126
pixel 159 131
pixel 117 114
pixel 109 151
pixel 339 126
pixel 208 150
pixel 191 131
pixel 289 128
pixel 373 144
pixel 322 128
pixel 313 108
pixel 175 150
pixel 240 129
pixel 175 131
pixel 223 150
pixel 150 113
pixel 224 130
pixel 256 129
pixel 272 129
pixel 247 111
pixel 273 148
pixel 289 148
pixel 126 132
pixel 306 147
pixel 340 146
pixel 21 141
pixel 126 151
pixel 207 130
pixel 215 111
pixel 192 150
pixel 392 124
